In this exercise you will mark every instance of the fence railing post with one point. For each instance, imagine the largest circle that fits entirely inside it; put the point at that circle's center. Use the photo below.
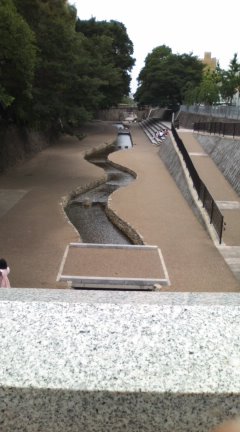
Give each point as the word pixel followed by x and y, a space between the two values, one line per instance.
pixel 212 208
pixel 221 230
pixel 203 194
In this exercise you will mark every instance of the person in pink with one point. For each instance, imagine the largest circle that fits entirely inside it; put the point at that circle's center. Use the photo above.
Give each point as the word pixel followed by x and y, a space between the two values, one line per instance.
pixel 4 271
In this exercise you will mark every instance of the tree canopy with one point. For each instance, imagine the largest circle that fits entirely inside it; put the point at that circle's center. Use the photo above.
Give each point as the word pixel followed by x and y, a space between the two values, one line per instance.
pixel 230 80
pixel 17 60
pixel 112 52
pixel 216 86
pixel 55 66
pixel 166 77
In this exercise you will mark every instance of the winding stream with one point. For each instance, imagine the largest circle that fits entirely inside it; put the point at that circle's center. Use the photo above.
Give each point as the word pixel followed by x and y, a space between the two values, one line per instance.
pixel 91 220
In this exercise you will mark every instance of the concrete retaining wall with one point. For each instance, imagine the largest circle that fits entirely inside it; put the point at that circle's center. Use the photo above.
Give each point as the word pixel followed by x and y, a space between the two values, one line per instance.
pixel 172 162
pixel 187 119
pixel 119 114
pixel 226 154
pixel 19 144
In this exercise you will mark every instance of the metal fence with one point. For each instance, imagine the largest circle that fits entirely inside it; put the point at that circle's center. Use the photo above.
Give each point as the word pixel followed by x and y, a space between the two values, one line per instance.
pixel 219 128
pixel 223 111
pixel 215 216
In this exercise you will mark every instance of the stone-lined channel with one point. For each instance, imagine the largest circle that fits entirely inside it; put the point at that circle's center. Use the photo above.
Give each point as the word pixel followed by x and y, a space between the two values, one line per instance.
pixel 87 210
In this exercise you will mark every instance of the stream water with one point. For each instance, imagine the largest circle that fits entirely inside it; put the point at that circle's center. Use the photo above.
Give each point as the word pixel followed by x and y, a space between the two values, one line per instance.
pixel 91 220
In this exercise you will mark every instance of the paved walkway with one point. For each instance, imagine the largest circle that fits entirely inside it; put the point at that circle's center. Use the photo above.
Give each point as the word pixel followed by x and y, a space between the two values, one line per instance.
pixel 34 230
pixel 220 189
pixel 155 207
pixel 224 195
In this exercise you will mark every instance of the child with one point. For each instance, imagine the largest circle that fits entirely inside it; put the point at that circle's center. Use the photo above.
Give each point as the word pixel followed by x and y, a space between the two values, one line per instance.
pixel 4 271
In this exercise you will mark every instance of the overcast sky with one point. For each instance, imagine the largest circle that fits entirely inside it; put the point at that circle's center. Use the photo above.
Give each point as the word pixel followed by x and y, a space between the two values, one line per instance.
pixel 183 25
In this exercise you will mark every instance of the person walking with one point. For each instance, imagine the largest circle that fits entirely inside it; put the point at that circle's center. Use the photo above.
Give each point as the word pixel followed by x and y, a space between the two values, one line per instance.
pixel 4 271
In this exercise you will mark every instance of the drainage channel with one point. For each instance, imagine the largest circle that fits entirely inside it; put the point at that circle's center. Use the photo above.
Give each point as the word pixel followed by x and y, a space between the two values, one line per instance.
pixel 87 211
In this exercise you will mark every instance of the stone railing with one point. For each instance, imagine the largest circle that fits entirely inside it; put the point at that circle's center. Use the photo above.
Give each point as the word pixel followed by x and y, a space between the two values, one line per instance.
pixel 118 361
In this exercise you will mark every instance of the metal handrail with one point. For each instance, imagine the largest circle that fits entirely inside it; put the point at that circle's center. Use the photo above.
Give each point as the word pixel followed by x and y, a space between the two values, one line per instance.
pixel 215 216
pixel 219 128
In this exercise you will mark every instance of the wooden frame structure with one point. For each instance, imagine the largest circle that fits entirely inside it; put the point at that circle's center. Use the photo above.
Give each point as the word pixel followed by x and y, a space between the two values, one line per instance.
pixel 111 266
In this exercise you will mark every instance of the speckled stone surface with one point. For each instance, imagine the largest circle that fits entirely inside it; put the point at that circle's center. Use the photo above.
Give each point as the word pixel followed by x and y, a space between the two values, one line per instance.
pixel 117 361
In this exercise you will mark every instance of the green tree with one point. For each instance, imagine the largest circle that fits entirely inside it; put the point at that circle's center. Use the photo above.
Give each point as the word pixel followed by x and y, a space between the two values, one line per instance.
pixel 166 77
pixel 209 90
pixel 206 93
pixel 150 79
pixel 111 51
pixel 53 23
pixel 230 82
pixel 17 61
pixel 74 70
pixel 67 74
